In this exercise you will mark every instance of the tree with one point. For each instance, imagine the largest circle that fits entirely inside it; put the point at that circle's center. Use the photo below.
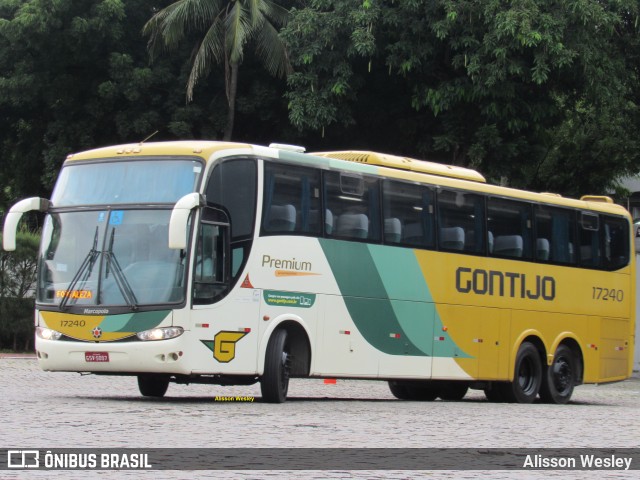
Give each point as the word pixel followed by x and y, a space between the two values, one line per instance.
pixel 17 282
pixel 75 75
pixel 36 94
pixel 228 25
pixel 503 87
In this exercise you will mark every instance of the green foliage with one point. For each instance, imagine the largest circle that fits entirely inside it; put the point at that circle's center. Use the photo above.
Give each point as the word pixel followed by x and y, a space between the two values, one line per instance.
pixel 225 29
pixel 325 41
pixel 541 93
pixel 75 75
pixel 17 283
pixel 516 89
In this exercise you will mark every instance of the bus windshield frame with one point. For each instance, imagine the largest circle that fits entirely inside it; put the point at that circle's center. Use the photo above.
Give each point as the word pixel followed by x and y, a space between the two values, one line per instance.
pixel 105 238
pixel 144 180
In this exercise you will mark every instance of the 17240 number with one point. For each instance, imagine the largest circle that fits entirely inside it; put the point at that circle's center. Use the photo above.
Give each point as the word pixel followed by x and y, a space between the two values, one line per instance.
pixel 608 294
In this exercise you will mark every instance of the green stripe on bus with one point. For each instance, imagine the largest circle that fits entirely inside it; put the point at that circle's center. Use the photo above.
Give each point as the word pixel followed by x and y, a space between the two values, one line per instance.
pixel 133 322
pixel 366 298
pixel 400 273
pixel 387 297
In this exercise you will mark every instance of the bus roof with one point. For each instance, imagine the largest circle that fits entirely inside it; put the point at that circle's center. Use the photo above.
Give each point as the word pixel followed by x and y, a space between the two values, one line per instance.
pixel 463 178
pixel 370 162
pixel 203 148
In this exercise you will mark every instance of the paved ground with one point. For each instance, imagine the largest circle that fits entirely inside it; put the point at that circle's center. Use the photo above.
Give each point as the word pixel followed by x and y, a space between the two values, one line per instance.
pixel 65 410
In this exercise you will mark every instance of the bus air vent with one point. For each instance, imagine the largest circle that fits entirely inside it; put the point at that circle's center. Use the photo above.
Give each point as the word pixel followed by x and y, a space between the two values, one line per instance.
pixel 290 148
pixel 596 198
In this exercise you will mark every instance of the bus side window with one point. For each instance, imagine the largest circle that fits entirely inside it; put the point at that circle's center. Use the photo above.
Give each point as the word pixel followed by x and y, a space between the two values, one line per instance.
pixel 555 235
pixel 461 221
pixel 291 200
pixel 510 224
pixel 408 212
pixel 589 251
pixel 210 276
pixel 616 242
pixel 354 203
pixel 233 186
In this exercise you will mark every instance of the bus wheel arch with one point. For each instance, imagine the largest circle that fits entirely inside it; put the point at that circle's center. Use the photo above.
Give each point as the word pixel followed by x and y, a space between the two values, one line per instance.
pixel 564 373
pixel 300 347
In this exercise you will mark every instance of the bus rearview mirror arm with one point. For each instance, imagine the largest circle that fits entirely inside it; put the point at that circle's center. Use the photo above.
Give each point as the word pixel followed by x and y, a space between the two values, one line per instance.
pixel 13 218
pixel 180 218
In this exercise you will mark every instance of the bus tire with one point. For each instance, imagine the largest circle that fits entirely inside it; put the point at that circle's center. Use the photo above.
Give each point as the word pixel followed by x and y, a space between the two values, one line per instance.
pixel 453 391
pixel 560 377
pixel 409 390
pixel 527 376
pixel 399 390
pixel 424 393
pixel 153 385
pixel 274 383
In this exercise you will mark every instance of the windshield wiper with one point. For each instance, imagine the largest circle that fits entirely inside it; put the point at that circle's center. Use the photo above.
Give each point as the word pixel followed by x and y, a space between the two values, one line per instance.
pixel 84 272
pixel 121 280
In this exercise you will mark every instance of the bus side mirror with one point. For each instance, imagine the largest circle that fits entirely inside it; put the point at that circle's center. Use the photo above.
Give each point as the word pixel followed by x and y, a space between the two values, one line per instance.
pixel 14 215
pixel 180 219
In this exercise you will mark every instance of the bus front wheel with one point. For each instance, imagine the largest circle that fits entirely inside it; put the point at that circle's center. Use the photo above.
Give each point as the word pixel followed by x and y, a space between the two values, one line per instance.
pixel 560 377
pixel 275 380
pixel 153 385
pixel 527 376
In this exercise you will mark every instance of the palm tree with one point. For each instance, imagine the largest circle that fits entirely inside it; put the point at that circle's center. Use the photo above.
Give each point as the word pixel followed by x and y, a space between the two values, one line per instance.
pixel 228 25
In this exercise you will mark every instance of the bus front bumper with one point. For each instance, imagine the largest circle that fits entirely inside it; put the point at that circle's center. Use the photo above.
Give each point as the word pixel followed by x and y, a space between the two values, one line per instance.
pixel 165 356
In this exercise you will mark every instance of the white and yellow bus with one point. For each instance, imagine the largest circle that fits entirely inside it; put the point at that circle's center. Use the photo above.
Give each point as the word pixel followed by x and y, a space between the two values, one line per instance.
pixel 227 263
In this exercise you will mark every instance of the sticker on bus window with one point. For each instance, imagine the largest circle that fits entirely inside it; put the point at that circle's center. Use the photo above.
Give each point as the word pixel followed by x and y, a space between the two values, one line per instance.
pixel 116 217
pixel 101 216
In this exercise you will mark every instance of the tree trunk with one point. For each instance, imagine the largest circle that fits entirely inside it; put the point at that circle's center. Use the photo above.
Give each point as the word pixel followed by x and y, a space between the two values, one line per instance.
pixel 233 88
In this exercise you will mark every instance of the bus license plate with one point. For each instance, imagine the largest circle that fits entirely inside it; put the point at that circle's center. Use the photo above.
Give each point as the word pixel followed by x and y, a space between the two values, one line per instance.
pixel 96 356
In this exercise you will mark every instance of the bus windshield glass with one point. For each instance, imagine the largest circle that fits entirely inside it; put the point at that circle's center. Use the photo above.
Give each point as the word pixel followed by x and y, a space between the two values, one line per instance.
pixel 126 182
pixel 110 258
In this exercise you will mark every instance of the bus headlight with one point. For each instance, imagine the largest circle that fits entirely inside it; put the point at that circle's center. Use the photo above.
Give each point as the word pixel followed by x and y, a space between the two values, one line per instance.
pixel 47 333
pixel 163 333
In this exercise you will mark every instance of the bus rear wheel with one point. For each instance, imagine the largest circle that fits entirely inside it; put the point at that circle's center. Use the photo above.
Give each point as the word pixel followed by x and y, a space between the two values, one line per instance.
pixel 528 376
pixel 153 385
pixel 274 384
pixel 560 377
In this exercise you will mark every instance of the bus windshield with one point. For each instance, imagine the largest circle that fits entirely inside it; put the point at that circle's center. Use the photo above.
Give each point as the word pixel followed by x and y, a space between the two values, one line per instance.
pixel 121 182
pixel 109 257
